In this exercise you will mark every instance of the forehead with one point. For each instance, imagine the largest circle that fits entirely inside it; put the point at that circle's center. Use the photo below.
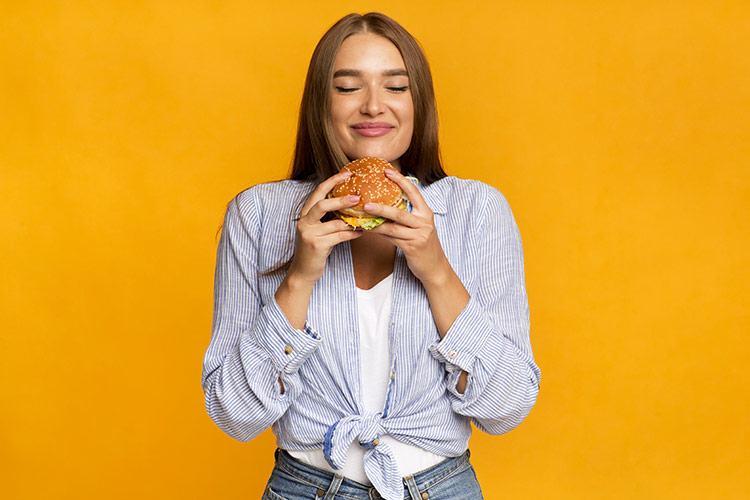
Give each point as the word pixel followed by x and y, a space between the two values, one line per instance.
pixel 368 52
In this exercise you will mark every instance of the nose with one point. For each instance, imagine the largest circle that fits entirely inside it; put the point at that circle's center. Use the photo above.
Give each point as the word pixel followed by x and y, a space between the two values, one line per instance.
pixel 373 103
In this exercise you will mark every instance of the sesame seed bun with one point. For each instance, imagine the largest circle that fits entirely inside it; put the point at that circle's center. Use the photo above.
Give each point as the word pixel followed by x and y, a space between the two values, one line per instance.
pixel 372 186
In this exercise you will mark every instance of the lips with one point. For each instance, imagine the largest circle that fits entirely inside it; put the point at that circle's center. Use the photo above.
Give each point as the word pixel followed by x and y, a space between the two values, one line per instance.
pixel 372 129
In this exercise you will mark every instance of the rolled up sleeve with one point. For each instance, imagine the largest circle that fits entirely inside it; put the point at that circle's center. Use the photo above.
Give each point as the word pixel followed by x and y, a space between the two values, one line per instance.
pixel 490 339
pixel 253 345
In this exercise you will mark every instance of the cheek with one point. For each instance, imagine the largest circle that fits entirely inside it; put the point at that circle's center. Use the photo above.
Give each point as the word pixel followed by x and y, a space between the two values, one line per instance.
pixel 339 127
pixel 335 116
pixel 406 109
pixel 339 113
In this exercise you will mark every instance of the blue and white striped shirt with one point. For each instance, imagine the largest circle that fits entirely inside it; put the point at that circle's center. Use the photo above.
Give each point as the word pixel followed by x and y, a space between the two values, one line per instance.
pixel 253 344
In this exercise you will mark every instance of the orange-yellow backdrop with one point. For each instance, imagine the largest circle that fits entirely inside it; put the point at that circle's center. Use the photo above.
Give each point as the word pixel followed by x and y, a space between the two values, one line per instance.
pixel 617 130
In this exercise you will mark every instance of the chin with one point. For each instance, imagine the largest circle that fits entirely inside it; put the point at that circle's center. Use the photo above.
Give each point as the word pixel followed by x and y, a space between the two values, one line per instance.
pixel 372 149
pixel 390 157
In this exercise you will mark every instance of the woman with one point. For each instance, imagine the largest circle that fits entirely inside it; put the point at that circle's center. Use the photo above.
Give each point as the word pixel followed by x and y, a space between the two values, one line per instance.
pixel 369 352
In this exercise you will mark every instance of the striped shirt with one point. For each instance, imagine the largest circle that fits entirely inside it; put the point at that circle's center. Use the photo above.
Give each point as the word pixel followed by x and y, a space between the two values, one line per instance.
pixel 253 345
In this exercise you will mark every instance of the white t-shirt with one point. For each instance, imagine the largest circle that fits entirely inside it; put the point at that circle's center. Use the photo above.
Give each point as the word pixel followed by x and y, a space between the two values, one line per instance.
pixel 374 308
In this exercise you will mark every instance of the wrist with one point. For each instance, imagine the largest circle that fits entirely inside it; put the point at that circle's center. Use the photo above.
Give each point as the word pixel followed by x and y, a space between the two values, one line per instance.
pixel 298 282
pixel 447 296
pixel 442 276
pixel 293 297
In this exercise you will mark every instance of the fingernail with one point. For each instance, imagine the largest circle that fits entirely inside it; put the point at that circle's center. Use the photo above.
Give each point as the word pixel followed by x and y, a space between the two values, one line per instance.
pixel 353 198
pixel 390 171
pixel 369 206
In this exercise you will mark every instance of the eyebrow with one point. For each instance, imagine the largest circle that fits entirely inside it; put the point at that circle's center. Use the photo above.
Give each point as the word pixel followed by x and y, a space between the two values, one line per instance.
pixel 356 72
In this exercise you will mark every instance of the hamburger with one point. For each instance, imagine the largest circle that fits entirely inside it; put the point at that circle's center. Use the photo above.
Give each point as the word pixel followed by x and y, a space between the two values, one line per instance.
pixel 372 186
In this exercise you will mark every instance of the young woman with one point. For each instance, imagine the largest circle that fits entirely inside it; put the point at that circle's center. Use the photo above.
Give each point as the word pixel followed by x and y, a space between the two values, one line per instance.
pixel 369 352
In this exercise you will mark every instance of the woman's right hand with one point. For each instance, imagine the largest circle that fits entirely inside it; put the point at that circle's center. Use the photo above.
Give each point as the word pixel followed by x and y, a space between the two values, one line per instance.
pixel 316 239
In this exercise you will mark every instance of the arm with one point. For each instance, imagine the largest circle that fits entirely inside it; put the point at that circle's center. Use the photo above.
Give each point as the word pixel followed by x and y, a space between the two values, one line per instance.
pixel 447 297
pixel 484 344
pixel 250 373
pixel 247 356
pixel 489 340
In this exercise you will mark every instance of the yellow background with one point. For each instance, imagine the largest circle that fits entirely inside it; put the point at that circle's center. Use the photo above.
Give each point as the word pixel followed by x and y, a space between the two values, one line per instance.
pixel 618 131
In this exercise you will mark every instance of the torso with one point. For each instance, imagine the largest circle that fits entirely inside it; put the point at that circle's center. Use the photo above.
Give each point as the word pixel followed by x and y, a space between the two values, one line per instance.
pixel 418 391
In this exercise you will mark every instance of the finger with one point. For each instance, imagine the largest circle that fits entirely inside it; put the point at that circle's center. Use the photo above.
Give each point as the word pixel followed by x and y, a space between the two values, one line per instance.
pixel 394 232
pixel 334 226
pixel 323 189
pixel 337 237
pixel 392 213
pixel 349 235
pixel 317 211
pixel 411 191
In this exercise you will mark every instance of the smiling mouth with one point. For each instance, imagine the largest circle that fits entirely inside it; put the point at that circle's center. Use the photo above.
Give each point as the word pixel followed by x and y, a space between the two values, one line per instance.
pixel 372 129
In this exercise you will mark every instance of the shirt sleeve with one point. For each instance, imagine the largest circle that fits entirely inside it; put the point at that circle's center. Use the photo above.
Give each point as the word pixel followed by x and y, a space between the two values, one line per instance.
pixel 252 344
pixel 490 338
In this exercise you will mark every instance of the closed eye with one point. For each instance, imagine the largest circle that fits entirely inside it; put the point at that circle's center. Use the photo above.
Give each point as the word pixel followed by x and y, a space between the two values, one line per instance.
pixel 398 89
pixel 345 90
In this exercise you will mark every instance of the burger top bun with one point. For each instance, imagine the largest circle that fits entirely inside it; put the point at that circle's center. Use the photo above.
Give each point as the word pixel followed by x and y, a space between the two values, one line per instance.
pixel 369 183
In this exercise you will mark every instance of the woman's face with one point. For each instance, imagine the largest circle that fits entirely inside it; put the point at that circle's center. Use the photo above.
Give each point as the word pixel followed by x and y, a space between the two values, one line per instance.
pixel 371 105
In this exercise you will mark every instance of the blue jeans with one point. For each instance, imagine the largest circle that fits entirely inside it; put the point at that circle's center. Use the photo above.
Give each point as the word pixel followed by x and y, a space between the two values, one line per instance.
pixel 451 479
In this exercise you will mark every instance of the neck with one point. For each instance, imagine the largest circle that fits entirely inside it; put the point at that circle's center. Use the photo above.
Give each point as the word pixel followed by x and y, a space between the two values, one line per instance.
pixel 373 257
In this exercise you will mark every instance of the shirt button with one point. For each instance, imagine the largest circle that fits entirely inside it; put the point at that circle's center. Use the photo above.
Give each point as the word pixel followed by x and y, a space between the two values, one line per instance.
pixel 375 442
pixel 393 375
pixel 452 354
pixel 288 349
pixel 425 495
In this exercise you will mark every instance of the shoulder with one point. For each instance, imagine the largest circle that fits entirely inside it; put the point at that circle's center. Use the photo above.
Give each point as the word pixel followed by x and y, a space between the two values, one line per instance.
pixel 468 197
pixel 280 199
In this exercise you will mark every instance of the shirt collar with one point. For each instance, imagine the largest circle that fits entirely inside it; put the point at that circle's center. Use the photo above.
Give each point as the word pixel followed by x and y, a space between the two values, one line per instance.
pixel 434 195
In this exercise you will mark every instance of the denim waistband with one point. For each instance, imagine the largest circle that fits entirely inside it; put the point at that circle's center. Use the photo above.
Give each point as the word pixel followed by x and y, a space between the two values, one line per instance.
pixel 323 479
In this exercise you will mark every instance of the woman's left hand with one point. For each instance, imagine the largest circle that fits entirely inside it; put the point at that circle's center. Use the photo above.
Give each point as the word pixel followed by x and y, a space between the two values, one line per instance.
pixel 414 233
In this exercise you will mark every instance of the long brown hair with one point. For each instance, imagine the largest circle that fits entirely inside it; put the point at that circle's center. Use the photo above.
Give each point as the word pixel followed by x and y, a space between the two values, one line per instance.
pixel 317 155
